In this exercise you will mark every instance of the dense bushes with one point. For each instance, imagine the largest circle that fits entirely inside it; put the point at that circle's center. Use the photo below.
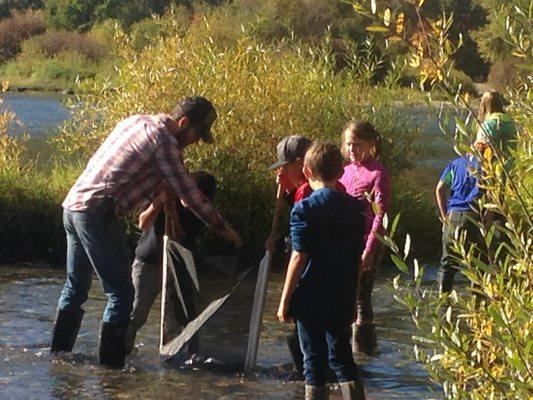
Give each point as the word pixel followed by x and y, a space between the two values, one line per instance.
pixel 54 42
pixel 267 21
pixel 17 28
pixel 262 93
pixel 59 58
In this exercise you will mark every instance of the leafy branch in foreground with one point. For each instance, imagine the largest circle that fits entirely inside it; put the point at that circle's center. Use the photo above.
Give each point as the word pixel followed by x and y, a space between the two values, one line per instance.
pixel 476 341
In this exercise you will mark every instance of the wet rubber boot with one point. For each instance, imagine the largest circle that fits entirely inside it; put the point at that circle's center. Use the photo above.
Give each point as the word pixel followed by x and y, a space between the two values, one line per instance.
pixel 316 392
pixel 297 357
pixel 66 329
pixel 112 344
pixel 364 338
pixel 352 390
pixel 129 341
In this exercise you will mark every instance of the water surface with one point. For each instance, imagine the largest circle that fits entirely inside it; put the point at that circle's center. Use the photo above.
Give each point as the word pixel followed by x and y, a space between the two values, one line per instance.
pixel 40 114
pixel 28 299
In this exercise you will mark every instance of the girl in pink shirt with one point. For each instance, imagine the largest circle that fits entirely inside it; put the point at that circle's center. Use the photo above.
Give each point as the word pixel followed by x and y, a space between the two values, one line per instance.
pixel 368 180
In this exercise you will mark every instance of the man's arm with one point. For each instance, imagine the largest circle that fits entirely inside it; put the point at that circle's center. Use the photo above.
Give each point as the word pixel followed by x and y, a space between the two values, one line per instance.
pixel 170 164
pixel 294 272
pixel 441 194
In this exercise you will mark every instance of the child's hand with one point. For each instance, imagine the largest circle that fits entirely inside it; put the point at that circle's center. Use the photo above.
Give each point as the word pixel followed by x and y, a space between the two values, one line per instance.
pixel 232 236
pixel 270 243
pixel 283 314
pixel 367 261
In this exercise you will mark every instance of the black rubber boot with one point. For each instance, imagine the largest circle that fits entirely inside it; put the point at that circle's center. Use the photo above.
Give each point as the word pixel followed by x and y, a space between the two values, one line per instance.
pixel 66 329
pixel 129 341
pixel 364 338
pixel 112 344
pixel 297 357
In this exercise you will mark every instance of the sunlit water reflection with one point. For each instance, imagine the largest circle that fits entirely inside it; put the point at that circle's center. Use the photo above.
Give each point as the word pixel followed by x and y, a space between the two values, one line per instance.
pixel 28 371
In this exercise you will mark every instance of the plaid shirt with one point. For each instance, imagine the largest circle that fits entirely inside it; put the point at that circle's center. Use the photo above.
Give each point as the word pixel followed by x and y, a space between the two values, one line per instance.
pixel 139 155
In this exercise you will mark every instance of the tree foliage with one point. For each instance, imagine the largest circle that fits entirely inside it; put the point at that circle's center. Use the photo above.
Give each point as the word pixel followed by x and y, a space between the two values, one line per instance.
pixel 8 6
pixel 508 30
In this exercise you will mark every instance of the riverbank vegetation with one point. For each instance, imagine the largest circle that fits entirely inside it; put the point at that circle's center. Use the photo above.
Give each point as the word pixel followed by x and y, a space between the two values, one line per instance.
pixel 270 75
pixel 262 91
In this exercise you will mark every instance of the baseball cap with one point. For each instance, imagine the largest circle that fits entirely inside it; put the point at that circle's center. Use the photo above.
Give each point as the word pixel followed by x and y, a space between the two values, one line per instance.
pixel 289 149
pixel 201 114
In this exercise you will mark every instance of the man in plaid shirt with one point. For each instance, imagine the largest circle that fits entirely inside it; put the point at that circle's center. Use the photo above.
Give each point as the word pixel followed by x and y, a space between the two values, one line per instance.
pixel 142 155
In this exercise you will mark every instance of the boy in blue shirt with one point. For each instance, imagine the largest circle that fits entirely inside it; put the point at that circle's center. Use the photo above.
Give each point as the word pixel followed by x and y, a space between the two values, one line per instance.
pixel 457 211
pixel 327 232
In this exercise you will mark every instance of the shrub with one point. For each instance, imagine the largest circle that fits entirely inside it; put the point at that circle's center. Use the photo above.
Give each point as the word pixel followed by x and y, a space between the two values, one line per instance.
pixel 29 210
pixel 56 60
pixel 19 27
pixel 149 30
pixel 476 341
pixel 263 92
pixel 11 148
pixel 54 42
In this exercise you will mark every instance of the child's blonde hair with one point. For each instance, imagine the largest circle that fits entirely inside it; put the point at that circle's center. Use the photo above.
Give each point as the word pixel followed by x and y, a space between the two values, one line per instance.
pixel 324 160
pixel 363 130
pixel 491 102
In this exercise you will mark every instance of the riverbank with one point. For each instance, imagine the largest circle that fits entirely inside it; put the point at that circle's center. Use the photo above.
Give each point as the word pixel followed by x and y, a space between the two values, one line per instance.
pixel 29 86
pixel 34 185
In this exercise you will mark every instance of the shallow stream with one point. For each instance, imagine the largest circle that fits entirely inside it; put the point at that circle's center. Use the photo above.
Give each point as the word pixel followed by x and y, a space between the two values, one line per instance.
pixel 28 299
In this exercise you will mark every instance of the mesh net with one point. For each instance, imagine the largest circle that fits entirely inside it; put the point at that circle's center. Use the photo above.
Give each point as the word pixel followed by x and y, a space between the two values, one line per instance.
pixel 212 305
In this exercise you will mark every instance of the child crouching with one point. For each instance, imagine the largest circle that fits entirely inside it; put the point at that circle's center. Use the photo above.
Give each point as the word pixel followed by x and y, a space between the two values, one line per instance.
pixel 327 232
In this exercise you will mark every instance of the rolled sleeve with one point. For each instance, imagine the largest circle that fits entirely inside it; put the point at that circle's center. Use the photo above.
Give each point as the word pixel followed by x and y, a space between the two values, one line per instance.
pixel 170 163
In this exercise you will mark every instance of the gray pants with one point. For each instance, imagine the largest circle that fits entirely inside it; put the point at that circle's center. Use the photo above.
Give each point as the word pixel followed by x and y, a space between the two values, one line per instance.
pixel 147 283
pixel 449 264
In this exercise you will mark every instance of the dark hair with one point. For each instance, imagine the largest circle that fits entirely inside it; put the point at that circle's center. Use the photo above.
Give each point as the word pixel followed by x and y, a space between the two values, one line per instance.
pixel 324 160
pixel 201 113
pixel 364 130
pixel 491 102
pixel 206 183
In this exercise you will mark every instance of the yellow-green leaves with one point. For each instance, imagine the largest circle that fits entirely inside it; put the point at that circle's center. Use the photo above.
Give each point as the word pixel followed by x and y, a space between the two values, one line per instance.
pixel 376 28
pixel 400 24
pixel 387 17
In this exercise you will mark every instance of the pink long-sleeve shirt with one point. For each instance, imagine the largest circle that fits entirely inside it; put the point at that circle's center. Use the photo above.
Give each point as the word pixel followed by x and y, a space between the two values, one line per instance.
pixel 373 178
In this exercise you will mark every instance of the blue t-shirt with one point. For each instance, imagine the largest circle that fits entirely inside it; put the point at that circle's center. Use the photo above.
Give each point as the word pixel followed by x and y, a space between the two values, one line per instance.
pixel 329 226
pixel 464 190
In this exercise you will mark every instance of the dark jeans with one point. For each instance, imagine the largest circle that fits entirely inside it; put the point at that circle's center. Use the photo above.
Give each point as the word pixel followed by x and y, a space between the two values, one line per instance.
pixel 365 312
pixel 96 240
pixel 461 221
pixel 324 342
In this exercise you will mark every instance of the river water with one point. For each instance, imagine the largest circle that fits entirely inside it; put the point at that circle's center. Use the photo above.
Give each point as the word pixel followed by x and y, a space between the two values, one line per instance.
pixel 28 299
pixel 39 113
